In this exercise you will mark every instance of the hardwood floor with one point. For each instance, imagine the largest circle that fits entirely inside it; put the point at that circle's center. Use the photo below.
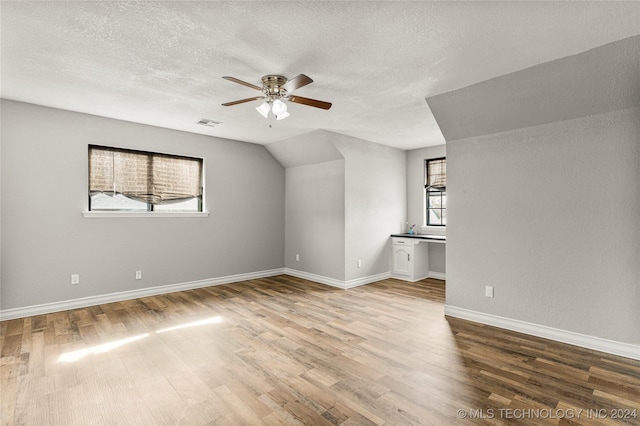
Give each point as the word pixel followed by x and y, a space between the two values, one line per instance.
pixel 283 350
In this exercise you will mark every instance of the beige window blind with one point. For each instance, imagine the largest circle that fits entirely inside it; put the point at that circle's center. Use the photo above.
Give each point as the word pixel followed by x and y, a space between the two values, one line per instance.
pixel 436 176
pixel 144 176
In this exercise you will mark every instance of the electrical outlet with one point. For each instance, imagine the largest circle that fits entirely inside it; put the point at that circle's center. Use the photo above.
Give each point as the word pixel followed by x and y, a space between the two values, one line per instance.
pixel 75 279
pixel 488 290
pixel 297 257
pixel 138 275
pixel 359 263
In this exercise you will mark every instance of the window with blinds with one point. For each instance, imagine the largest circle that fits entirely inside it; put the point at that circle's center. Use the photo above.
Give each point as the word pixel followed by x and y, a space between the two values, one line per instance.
pixel 129 180
pixel 436 192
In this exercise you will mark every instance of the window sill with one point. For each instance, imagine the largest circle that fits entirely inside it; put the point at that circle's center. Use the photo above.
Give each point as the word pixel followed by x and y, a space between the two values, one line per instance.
pixel 434 229
pixel 89 214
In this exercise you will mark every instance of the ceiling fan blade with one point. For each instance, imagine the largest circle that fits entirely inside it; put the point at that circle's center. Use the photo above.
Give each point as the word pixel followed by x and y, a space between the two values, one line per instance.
pixel 244 83
pixel 297 82
pixel 241 101
pixel 311 102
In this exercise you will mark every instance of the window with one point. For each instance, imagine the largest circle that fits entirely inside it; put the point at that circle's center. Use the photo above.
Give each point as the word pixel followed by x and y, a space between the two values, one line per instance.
pixel 435 188
pixel 139 181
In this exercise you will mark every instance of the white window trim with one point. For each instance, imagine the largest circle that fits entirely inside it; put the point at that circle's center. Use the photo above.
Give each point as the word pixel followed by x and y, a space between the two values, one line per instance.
pixel 106 214
pixel 430 228
pixel 90 214
pixel 434 229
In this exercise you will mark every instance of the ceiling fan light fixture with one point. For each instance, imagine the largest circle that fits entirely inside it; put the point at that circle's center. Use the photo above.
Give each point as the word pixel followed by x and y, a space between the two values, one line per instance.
pixel 264 109
pixel 282 116
pixel 279 108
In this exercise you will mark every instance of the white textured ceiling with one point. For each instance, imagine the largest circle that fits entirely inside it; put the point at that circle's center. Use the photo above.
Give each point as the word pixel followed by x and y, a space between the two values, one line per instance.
pixel 161 63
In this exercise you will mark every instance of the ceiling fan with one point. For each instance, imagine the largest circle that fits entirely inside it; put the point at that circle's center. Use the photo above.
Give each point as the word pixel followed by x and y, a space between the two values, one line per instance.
pixel 276 89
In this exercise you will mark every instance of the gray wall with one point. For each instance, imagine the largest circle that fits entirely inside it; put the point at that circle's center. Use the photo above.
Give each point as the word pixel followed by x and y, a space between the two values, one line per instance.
pixel 344 197
pixel 315 225
pixel 550 216
pixel 375 207
pixel 543 193
pixel 415 202
pixel 44 190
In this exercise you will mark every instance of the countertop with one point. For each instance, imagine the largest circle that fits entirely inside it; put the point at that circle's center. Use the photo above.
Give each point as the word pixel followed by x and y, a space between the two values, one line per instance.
pixel 422 236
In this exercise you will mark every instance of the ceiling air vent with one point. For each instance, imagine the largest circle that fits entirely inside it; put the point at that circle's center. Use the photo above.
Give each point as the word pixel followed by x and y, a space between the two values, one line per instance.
pixel 208 123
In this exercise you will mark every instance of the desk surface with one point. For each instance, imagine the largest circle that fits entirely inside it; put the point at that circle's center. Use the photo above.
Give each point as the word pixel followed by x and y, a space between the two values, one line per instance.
pixel 422 236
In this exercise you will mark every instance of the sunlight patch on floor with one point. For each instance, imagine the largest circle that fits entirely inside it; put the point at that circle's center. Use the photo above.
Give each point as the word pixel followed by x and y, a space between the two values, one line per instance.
pixel 212 320
pixel 105 347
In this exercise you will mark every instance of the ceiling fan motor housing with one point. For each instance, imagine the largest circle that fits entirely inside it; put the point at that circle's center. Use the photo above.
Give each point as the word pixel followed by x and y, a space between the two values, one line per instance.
pixel 272 85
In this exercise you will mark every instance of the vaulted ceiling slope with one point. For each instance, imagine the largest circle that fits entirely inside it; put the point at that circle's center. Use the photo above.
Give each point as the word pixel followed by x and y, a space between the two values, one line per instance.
pixel 161 63
pixel 598 81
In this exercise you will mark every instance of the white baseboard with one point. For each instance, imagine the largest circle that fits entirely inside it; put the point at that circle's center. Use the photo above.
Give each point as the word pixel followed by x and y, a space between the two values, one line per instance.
pixel 335 282
pixel 315 278
pixel 437 275
pixel 432 274
pixel 626 350
pixel 366 280
pixel 47 308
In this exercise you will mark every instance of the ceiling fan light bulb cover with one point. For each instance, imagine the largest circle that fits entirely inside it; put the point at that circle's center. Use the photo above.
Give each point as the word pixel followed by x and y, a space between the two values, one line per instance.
pixel 282 116
pixel 279 107
pixel 263 109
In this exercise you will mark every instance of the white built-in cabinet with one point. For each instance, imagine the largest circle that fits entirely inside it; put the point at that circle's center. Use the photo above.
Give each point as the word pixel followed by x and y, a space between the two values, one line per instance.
pixel 409 258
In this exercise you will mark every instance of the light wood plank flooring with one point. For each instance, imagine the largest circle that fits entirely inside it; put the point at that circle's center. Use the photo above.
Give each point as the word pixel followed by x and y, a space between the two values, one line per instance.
pixel 283 350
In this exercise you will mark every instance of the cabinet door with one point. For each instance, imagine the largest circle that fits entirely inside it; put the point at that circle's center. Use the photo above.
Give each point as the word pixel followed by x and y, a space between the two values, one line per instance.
pixel 401 261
